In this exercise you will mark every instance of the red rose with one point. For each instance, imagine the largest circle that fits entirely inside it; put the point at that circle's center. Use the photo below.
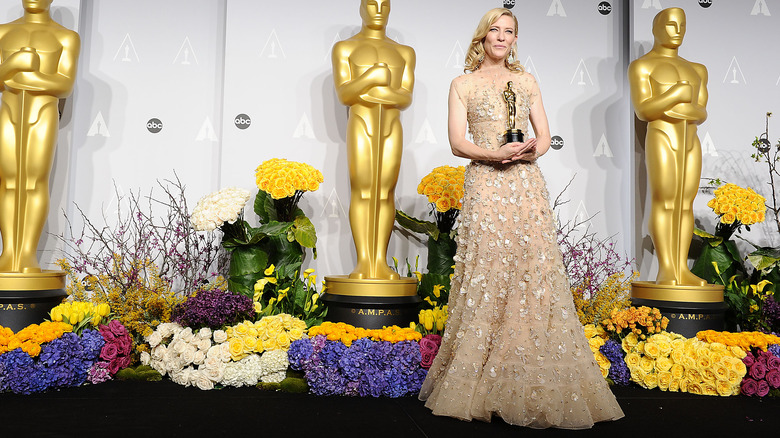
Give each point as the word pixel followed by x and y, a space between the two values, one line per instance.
pixel 763 388
pixel 773 378
pixel 749 360
pixel 114 366
pixel 125 345
pixel 749 387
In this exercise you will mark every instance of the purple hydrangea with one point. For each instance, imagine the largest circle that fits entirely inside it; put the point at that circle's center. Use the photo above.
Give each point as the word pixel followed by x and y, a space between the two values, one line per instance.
pixel 774 349
pixel 213 308
pixel 618 370
pixel 300 354
pixel 771 312
pixel 99 373
pixel 365 368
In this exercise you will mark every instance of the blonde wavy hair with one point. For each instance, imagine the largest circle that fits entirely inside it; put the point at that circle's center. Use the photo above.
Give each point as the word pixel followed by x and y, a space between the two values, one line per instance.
pixel 476 52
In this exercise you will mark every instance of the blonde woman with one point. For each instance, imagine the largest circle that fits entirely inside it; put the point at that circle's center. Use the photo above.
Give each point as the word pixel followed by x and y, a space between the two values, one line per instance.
pixel 513 346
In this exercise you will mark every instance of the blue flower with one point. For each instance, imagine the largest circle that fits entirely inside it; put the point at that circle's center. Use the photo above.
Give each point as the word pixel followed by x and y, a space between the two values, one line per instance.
pixel 618 370
pixel 300 353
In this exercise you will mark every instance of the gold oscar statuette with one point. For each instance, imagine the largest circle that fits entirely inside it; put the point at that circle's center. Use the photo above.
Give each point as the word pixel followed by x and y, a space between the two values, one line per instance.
pixel 670 94
pixel 512 134
pixel 38 59
pixel 373 76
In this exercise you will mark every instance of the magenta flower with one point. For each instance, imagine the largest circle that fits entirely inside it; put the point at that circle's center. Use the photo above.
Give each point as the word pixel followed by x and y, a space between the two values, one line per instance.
pixel 749 387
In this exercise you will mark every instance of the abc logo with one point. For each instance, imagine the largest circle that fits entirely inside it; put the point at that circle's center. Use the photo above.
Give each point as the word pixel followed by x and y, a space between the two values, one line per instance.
pixel 242 121
pixel 605 8
pixel 705 3
pixel 509 4
pixel 154 126
pixel 556 142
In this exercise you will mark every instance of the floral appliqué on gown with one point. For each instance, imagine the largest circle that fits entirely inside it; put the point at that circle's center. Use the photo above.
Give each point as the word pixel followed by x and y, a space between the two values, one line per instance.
pixel 513 345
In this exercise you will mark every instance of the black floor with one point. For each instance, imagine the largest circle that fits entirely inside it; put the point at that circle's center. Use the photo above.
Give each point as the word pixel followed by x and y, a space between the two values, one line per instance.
pixel 151 409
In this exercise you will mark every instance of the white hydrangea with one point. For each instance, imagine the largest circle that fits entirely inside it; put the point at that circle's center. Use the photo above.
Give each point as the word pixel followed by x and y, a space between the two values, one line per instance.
pixel 219 207
pixel 245 372
pixel 274 365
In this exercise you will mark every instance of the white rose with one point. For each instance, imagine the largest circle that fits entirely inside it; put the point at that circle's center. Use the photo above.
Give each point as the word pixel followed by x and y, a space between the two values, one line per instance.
pixel 158 352
pixel 145 358
pixel 204 333
pixel 159 366
pixel 199 357
pixel 178 346
pixel 185 335
pixel 154 339
pixel 214 352
pixel 225 350
pixel 204 344
pixel 220 336
pixel 214 374
pixel 188 355
pixel 173 366
pixel 212 363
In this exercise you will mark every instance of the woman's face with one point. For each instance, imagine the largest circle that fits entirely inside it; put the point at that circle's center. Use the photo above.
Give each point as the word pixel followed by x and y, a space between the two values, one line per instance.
pixel 500 37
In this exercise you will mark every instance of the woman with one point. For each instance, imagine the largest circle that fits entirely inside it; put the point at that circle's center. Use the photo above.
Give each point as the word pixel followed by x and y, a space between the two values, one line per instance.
pixel 513 345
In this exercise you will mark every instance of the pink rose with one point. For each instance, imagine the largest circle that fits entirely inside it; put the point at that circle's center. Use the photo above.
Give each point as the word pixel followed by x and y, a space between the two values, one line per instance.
pixel 109 352
pixel 428 346
pixel 124 361
pixel 749 386
pixel 763 388
pixel 762 356
pixel 773 378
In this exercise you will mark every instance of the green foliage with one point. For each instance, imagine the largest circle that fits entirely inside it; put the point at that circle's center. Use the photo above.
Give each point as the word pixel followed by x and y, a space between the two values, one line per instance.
pixel 722 252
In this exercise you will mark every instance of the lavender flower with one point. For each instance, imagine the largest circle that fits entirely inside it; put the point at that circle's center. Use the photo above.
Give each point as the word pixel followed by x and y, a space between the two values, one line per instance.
pixel 618 370
pixel 213 308
pixel 99 373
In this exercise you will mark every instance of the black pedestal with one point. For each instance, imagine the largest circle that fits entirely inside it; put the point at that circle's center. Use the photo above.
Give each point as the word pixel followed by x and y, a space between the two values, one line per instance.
pixel 688 318
pixel 20 308
pixel 371 312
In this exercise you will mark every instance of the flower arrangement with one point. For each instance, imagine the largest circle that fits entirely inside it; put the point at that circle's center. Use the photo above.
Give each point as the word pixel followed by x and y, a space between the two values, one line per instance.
pixel 270 333
pixel 673 363
pixel 641 321
pixel 282 178
pixel 51 355
pixel 188 357
pixel 347 334
pixel 79 314
pixel 294 296
pixel 432 321
pixel 218 208
pixel 30 338
pixel 444 189
pixel 429 347
pixel 364 368
pixel 284 228
pixel 743 340
pixel 763 374
pixel 597 337
pixel 736 206
pixel 142 262
pixel 212 308
pixel 593 306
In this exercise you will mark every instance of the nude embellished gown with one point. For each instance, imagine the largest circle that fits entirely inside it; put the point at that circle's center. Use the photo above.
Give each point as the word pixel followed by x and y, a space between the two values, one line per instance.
pixel 513 345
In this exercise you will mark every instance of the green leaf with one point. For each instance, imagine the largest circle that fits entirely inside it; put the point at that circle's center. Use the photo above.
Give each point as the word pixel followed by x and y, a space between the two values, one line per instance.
pixel 440 255
pixel 244 285
pixel 416 225
pixel 305 233
pixel 724 256
pixel 264 207
pixel 275 228
pixel 764 259
pixel 247 260
pixel 707 237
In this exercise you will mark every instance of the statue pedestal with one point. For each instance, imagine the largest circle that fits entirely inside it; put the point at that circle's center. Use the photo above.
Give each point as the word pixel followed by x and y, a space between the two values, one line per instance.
pixel 371 303
pixel 690 309
pixel 28 298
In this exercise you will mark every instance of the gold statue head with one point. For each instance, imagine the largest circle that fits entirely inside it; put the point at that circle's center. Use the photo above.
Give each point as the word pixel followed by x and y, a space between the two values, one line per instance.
pixel 476 51
pixel 374 13
pixel 669 28
pixel 36 6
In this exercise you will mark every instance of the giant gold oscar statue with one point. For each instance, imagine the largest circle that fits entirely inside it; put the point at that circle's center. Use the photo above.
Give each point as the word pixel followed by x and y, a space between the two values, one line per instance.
pixel 670 94
pixel 374 76
pixel 38 60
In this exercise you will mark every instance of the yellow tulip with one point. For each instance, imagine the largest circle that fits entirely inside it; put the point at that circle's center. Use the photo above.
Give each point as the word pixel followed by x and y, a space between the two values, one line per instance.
pixel 103 309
